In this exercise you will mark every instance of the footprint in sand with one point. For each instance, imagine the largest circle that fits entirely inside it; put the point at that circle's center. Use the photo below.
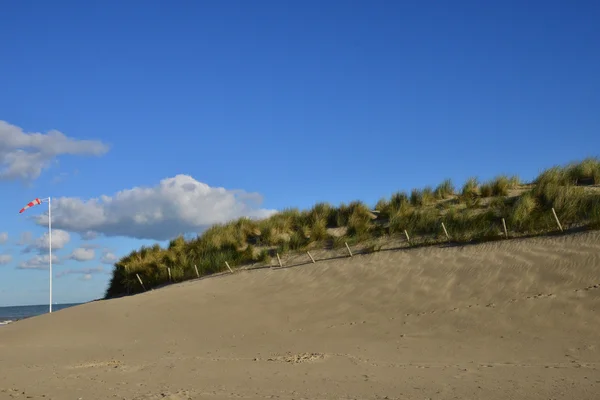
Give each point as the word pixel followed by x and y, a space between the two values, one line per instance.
pixel 540 296
pixel 592 287
pixel 104 364
pixel 296 358
pixel 179 395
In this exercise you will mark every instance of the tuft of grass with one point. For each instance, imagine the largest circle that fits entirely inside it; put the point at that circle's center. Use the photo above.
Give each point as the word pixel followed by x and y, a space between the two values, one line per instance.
pixel 499 186
pixel 320 212
pixel 499 206
pixel 470 188
pixel 372 248
pixel 360 221
pixel 556 175
pixel 339 217
pixel 416 198
pixel 419 198
pixel 398 218
pixel 399 200
pixel 569 201
pixel 297 241
pixel 424 222
pixel 587 171
pixel 264 256
pixel 514 181
pixel 521 214
pixel 466 226
pixel 383 206
pixel 486 189
pixel 428 195
pixel 444 190
pixel 595 212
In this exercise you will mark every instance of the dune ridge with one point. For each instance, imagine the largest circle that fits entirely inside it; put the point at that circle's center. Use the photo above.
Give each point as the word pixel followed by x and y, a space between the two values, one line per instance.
pixel 493 210
pixel 512 319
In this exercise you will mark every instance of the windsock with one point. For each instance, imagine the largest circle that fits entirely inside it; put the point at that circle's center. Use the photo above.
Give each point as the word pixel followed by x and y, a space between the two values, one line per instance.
pixel 31 204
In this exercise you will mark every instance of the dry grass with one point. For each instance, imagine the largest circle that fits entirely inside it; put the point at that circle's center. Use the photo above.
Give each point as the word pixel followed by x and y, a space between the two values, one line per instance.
pixel 444 190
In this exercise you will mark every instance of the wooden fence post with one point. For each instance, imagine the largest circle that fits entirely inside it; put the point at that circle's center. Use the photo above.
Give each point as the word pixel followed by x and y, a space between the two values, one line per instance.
pixel 311 257
pixel 348 247
pixel 230 270
pixel 445 231
pixel 169 270
pixel 407 237
pixel 557 221
pixel 279 260
pixel 141 283
pixel 505 230
pixel 197 273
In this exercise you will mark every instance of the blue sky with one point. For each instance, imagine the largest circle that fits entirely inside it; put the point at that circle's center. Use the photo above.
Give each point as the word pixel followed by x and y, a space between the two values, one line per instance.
pixel 175 115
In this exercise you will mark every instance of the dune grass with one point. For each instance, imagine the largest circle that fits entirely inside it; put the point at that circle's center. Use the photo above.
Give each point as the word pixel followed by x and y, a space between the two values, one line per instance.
pixel 473 214
pixel 444 190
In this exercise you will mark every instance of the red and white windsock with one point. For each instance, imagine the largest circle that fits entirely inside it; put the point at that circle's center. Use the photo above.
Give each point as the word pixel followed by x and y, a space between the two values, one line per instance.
pixel 31 204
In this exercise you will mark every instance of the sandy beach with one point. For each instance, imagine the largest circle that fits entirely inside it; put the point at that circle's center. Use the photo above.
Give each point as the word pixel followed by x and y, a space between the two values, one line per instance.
pixel 518 319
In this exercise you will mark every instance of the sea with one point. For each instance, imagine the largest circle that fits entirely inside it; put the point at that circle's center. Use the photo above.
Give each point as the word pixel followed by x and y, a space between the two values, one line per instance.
pixel 15 313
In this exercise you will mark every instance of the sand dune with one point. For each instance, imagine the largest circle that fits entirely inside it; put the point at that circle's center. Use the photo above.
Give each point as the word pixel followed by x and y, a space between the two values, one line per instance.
pixel 511 320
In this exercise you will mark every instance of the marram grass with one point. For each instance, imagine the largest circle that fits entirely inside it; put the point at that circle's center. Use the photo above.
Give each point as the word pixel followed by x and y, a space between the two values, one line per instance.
pixel 475 213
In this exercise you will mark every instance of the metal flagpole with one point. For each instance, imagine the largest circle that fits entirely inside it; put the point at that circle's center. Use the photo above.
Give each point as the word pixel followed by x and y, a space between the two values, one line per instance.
pixel 50 246
pixel 34 203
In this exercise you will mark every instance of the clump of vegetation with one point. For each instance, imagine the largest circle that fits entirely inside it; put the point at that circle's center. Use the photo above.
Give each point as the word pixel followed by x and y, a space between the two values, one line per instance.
pixel 585 172
pixel 444 190
pixel 360 221
pixel 522 211
pixel 422 197
pixel 499 186
pixel 525 209
pixel 471 188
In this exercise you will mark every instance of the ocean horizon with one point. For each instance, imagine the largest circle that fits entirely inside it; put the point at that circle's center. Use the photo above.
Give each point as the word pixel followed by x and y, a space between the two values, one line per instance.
pixel 14 313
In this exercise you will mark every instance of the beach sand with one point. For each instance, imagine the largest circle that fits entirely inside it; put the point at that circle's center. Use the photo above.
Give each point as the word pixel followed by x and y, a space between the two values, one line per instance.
pixel 518 319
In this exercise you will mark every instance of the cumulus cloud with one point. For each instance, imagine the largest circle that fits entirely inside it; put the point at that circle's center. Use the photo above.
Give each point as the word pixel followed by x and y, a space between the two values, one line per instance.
pixel 25 239
pixel 90 246
pixel 80 271
pixel 175 206
pixel 23 155
pixel 60 239
pixel 89 235
pixel 5 259
pixel 109 258
pixel 3 237
pixel 38 262
pixel 82 254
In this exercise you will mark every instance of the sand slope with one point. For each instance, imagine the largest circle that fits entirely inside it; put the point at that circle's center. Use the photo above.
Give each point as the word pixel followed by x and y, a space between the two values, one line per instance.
pixel 510 320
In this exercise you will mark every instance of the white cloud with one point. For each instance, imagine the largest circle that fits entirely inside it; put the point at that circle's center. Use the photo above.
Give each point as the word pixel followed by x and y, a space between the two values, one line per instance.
pixel 80 271
pixel 81 254
pixel 175 206
pixel 89 235
pixel 5 259
pixel 3 237
pixel 38 262
pixel 23 155
pixel 60 239
pixel 109 258
pixel 25 239
pixel 86 277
